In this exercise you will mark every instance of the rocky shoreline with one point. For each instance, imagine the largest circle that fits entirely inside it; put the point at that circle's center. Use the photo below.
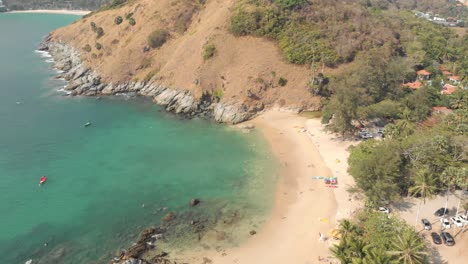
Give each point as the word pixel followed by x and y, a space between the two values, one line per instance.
pixel 83 81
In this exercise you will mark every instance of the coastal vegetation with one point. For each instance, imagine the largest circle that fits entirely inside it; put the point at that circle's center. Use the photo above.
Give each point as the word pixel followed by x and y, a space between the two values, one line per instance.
pixel 414 160
pixel 373 237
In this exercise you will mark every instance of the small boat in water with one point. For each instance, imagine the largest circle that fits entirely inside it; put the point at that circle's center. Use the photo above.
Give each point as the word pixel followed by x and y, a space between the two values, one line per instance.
pixel 42 180
pixel 87 124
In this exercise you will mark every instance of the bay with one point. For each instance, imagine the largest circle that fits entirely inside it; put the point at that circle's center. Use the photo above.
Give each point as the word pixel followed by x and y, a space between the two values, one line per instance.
pixel 108 181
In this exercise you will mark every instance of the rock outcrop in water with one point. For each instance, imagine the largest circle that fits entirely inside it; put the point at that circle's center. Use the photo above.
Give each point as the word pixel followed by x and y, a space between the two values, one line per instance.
pixel 85 82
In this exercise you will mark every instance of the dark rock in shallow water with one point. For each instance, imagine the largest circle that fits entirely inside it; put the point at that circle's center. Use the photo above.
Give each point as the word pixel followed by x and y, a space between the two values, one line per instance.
pixel 169 217
pixel 194 202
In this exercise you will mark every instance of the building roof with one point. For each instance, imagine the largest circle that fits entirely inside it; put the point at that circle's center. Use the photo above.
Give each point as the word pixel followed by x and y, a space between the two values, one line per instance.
pixel 423 72
pixel 446 73
pixel 455 78
pixel 441 109
pixel 448 89
pixel 413 85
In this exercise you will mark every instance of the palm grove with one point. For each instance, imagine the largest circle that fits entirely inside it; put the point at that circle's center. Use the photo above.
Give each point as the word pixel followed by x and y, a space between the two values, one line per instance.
pixel 377 47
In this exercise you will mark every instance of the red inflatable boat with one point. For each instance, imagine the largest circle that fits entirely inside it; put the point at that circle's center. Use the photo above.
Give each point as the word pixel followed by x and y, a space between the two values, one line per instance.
pixel 42 179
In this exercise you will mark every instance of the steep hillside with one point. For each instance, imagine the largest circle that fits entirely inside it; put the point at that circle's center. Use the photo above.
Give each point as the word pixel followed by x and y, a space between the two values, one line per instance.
pixel 242 69
pixel 192 56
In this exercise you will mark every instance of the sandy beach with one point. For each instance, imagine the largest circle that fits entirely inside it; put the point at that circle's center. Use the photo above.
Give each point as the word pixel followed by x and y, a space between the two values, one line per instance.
pixel 62 11
pixel 304 207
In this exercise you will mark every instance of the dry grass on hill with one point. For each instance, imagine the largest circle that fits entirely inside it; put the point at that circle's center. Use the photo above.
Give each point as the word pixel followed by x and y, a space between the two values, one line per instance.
pixel 243 69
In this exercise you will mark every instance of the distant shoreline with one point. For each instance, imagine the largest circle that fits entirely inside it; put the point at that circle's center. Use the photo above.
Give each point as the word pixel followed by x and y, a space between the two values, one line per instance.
pixel 53 11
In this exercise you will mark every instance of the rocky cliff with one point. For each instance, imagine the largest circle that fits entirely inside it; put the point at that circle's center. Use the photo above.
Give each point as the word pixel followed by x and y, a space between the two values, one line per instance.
pixel 83 80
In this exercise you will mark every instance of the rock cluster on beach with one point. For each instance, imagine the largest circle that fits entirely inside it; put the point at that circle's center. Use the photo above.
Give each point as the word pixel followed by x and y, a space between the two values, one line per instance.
pixel 86 82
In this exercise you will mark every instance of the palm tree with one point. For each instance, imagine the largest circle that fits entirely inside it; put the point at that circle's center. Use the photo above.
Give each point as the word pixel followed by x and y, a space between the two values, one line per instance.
pixel 339 252
pixel 424 185
pixel 403 127
pixel 409 248
pixel 462 181
pixel 376 256
pixel 449 178
pixel 458 99
pixel 357 247
pixel 346 227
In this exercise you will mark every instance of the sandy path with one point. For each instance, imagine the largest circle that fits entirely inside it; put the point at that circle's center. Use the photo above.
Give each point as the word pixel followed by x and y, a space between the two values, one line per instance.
pixel 303 206
pixel 45 11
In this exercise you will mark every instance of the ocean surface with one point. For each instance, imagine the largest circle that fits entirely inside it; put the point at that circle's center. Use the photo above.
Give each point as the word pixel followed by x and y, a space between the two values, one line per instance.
pixel 109 181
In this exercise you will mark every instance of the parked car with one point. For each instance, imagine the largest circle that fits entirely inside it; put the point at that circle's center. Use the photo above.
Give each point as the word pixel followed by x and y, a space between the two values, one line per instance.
pixel 436 238
pixel 463 218
pixel 445 223
pixel 457 221
pixel 448 239
pixel 427 225
pixel 380 131
pixel 365 135
pixel 384 210
pixel 441 212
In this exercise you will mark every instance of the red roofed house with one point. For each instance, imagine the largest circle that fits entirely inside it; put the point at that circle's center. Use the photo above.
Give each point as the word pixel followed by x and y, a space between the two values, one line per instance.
pixel 455 79
pixel 448 89
pixel 413 85
pixel 446 73
pixel 423 74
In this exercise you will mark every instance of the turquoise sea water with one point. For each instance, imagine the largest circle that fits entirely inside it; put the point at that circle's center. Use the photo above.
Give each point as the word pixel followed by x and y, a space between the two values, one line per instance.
pixel 108 181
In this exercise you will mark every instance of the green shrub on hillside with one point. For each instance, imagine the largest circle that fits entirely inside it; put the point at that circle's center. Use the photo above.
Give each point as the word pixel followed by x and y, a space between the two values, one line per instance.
pixel 93 26
pixel 132 21
pixel 290 4
pixel 157 38
pixel 282 81
pixel 209 51
pixel 98 46
pixel 303 44
pixel 99 32
pixel 244 23
pixel 87 48
pixel 129 15
pixel 118 20
pixel 218 94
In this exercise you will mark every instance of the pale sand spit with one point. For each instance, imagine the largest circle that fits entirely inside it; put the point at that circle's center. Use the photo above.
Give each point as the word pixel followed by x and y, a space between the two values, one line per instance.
pixel 61 11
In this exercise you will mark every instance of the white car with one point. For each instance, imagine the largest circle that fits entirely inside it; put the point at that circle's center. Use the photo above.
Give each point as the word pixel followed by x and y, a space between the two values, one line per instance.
pixel 463 218
pixel 384 210
pixel 457 221
pixel 445 223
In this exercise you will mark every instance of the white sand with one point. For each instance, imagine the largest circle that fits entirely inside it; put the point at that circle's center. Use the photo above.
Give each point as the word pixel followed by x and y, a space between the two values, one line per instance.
pixel 62 11
pixel 335 155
